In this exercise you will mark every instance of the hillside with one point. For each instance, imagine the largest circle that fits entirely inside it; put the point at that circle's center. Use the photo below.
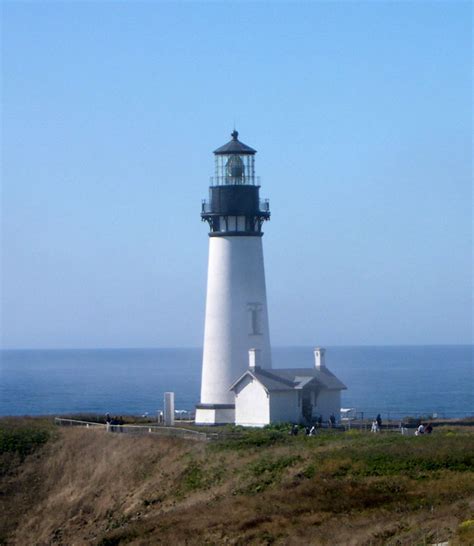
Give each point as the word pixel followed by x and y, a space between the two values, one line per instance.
pixel 78 486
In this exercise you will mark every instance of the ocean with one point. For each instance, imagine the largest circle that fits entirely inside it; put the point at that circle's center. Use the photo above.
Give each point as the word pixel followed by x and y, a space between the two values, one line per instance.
pixel 394 381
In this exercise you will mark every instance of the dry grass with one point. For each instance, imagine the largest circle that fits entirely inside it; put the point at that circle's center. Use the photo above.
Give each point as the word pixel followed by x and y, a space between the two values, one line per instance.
pixel 89 487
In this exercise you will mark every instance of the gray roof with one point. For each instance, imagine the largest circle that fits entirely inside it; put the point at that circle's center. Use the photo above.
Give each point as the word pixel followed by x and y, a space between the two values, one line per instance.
pixel 234 146
pixel 285 379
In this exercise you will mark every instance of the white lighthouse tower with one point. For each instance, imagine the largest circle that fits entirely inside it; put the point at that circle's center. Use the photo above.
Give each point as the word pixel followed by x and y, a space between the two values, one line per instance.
pixel 236 305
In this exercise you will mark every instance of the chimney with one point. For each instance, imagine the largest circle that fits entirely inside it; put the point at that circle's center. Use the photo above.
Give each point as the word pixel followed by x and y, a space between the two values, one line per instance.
pixel 254 358
pixel 319 358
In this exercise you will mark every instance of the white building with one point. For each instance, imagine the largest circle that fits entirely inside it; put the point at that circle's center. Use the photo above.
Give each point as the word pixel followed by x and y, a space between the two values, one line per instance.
pixel 297 395
pixel 236 312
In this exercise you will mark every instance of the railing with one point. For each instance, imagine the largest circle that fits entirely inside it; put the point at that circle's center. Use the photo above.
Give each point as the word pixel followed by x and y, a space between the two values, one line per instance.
pixel 263 206
pixel 235 180
pixel 367 427
pixel 77 422
pixel 136 429
pixel 404 414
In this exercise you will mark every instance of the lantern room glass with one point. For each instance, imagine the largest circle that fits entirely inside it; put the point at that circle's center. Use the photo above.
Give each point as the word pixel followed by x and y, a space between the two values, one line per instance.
pixel 234 169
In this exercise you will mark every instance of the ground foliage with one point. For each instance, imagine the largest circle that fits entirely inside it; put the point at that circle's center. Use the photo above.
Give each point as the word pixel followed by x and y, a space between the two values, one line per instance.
pixel 64 486
pixel 20 437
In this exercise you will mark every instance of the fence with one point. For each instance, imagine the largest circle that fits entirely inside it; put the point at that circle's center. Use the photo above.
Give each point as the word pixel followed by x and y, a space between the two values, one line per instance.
pixel 136 429
pixel 397 415
pixel 367 427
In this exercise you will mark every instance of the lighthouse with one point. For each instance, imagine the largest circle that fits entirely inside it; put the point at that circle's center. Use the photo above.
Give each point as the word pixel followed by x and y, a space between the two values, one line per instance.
pixel 236 321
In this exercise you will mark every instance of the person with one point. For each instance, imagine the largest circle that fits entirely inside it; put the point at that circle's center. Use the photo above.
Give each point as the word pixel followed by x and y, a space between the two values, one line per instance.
pixel 332 420
pixel 107 422
pixel 375 426
pixel 379 420
pixel 428 428
pixel 312 431
pixel 420 430
pixel 113 423
pixel 294 430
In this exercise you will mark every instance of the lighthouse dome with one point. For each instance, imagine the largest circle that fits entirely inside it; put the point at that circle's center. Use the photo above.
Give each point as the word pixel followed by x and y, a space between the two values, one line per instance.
pixel 234 146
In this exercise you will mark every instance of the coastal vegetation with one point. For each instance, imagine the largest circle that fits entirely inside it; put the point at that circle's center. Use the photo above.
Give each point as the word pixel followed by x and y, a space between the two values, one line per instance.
pixel 84 486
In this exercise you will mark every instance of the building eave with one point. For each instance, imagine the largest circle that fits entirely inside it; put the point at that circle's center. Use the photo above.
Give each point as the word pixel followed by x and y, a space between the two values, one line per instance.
pixel 247 372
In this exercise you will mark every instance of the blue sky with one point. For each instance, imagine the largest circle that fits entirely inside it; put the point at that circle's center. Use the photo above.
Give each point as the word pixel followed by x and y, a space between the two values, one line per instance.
pixel 362 117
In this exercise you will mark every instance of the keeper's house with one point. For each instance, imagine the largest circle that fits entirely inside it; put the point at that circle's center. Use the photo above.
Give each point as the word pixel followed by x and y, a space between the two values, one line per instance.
pixel 296 395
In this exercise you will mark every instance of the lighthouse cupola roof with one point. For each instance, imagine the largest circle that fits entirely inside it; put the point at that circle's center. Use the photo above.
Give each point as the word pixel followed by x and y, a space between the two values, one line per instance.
pixel 234 146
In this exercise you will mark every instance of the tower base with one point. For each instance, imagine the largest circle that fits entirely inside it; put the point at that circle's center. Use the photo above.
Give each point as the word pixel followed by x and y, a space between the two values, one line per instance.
pixel 215 414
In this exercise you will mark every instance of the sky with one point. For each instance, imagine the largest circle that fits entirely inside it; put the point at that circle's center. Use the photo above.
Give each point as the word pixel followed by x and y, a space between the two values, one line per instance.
pixel 361 113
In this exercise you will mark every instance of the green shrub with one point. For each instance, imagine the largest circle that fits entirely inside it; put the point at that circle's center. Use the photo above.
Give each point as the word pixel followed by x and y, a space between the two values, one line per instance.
pixel 466 531
pixel 267 471
pixel 193 477
pixel 19 437
pixel 267 465
pixel 252 438
pixel 309 472
pixel 280 427
pixel 198 475
pixel 22 441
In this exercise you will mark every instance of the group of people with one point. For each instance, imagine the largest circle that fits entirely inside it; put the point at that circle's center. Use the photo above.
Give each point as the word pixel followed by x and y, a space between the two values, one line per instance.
pixel 331 422
pixel 309 431
pixel 423 429
pixel 313 429
pixel 376 424
pixel 113 424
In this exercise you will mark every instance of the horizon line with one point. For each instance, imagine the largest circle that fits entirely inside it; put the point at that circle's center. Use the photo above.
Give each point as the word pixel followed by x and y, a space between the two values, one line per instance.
pixel 291 346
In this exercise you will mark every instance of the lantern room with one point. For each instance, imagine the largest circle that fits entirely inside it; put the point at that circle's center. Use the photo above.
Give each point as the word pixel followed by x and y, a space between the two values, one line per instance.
pixel 234 164
pixel 234 206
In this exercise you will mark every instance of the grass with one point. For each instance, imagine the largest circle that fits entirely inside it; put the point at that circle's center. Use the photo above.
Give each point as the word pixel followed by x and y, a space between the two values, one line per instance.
pixel 407 456
pixel 250 487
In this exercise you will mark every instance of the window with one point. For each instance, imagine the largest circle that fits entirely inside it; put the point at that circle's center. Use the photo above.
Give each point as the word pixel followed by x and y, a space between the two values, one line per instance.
pixel 255 319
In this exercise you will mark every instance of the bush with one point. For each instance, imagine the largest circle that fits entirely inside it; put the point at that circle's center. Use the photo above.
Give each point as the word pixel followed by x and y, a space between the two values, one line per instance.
pixel 193 477
pixel 22 441
pixel 271 466
pixel 253 438
pixel 19 437
pixel 466 531
pixel 268 471
pixel 280 427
